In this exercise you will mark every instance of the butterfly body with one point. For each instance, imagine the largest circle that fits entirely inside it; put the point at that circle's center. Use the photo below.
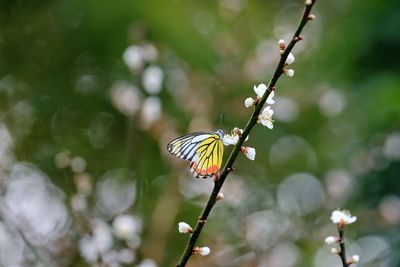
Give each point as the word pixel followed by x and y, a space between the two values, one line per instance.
pixel 204 150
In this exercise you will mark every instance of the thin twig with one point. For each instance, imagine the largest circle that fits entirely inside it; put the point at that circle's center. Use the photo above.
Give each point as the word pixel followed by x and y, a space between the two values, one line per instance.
pixel 249 126
pixel 342 253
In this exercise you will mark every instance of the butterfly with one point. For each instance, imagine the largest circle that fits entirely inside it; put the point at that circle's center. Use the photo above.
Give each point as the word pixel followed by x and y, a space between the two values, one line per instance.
pixel 204 150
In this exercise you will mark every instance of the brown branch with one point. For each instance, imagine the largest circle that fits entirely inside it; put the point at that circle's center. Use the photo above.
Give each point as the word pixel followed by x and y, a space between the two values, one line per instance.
pixel 249 126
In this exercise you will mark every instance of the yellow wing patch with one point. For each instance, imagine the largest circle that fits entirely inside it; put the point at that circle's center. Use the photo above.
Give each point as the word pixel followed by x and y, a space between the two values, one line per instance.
pixel 203 150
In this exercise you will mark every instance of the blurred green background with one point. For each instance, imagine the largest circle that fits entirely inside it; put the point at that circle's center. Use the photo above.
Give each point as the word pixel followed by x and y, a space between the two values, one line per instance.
pixel 92 91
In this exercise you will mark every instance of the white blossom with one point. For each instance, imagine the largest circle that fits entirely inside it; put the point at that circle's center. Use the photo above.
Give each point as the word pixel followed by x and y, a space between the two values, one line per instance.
pixel 270 100
pixel 250 152
pixel 230 139
pixel 282 44
pixel 203 251
pixel 220 196
pixel 266 117
pixel 133 57
pixel 260 90
pixel 248 102
pixel 152 79
pixel 289 72
pixel 184 228
pixel 233 138
pixel 335 250
pixel 354 259
pixel 125 227
pixel 289 59
pixel 342 217
pixel 331 240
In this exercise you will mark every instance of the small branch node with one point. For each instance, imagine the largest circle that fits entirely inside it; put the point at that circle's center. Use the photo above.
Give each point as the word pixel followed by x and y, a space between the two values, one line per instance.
pixel 202 221
pixel 311 17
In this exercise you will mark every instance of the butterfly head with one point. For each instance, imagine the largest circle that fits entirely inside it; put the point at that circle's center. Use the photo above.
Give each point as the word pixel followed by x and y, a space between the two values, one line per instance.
pixel 220 133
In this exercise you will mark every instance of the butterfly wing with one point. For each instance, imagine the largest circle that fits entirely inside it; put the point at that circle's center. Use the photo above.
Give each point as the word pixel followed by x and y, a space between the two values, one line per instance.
pixel 203 150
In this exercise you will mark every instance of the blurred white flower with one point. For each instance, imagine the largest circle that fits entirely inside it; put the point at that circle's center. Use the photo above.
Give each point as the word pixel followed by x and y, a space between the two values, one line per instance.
pixel 133 57
pixel 100 242
pixel 125 98
pixel 36 205
pixel 203 251
pixel 149 52
pixel 282 44
pixel 260 90
pixel 391 148
pixel 230 139
pixel 354 259
pixel 78 203
pixel 126 256
pixel 250 152
pixel 335 250
pixel 331 240
pixel 290 59
pixel 266 117
pixel 233 138
pixel 289 72
pixel 62 159
pixel 78 164
pixel 147 263
pixel 342 217
pixel 126 226
pixel 248 102
pixel 152 79
pixel 83 183
pixel 151 110
pixel 11 248
pixel 270 99
pixel 184 228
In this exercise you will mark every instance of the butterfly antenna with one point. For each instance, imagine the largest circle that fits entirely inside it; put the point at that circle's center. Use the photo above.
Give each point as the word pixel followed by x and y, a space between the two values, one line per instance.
pixel 221 119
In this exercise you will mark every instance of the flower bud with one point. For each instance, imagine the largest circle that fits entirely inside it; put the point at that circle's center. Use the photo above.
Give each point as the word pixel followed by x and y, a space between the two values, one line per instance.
pixel 331 240
pixel 353 259
pixel 289 72
pixel 203 251
pixel 311 17
pixel 220 196
pixel 248 102
pixel 282 44
pixel 184 228
pixel 290 59
pixel 250 152
pixel 335 250
pixel 308 2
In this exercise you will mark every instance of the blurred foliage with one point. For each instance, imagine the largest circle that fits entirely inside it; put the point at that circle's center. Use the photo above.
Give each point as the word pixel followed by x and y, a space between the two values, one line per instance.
pixel 336 140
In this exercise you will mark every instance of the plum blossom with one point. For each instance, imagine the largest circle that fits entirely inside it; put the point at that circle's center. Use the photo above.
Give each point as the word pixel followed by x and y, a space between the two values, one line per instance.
pixel 342 217
pixel 248 102
pixel 331 240
pixel 184 228
pixel 233 138
pixel 203 251
pixel 289 72
pixel 260 91
pixel 354 259
pixel 266 117
pixel 250 152
pixel 290 59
